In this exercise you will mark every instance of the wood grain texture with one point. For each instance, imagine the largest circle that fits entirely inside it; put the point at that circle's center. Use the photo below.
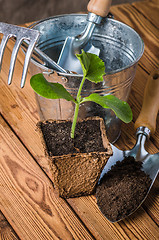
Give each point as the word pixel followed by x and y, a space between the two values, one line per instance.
pixel 145 10
pixel 86 208
pixel 27 196
pixel 18 107
pixel 20 112
pixel 147 30
pixel 6 231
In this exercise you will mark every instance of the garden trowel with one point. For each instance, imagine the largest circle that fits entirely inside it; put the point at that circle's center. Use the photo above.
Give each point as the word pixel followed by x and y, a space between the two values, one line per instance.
pixel 97 10
pixel 144 125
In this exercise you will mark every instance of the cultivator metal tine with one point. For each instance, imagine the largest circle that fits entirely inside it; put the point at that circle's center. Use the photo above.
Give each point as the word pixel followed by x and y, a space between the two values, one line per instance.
pixel 2 47
pixel 13 59
pixel 20 34
pixel 26 62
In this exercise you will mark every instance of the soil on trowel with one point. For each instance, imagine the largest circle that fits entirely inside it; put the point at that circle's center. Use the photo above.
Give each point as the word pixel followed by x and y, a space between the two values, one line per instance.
pixel 122 189
pixel 58 140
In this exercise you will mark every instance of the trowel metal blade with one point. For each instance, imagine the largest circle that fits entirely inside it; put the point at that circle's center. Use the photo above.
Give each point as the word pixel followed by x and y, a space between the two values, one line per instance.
pixel 150 161
pixel 68 59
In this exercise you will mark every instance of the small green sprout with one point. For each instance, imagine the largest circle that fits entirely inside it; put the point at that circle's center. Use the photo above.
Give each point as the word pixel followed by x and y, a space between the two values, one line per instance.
pixel 93 70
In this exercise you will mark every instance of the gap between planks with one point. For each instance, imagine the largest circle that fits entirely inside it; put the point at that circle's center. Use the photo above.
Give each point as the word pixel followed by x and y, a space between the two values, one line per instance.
pixel 85 202
pixel 28 193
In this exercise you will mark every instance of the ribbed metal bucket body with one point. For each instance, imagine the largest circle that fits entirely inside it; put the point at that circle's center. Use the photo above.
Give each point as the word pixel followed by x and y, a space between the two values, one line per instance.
pixel 120 48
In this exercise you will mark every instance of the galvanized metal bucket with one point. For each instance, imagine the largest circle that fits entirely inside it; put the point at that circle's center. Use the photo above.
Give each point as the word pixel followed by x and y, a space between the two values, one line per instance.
pixel 120 48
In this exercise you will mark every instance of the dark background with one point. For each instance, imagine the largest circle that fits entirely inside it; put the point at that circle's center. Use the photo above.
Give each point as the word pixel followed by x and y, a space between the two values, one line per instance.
pixel 21 11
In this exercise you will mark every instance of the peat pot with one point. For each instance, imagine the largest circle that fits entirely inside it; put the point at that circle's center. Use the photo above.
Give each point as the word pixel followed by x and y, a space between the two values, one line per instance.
pixel 120 48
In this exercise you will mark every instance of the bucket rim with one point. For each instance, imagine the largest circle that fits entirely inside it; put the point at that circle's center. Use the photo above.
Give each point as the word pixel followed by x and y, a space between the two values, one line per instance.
pixel 49 70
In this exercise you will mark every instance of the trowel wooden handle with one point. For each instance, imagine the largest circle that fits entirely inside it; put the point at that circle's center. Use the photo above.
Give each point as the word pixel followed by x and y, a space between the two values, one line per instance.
pixel 150 107
pixel 99 7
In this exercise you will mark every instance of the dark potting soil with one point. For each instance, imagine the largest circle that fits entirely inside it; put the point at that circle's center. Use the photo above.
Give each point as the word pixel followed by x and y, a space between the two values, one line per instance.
pixel 122 189
pixel 58 140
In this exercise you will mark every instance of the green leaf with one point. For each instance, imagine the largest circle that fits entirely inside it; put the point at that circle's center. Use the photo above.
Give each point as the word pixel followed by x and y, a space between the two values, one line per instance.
pixel 120 108
pixel 93 67
pixel 49 90
pixel 84 61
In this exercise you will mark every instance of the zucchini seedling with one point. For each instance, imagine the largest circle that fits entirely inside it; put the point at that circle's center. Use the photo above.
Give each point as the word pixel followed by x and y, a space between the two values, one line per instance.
pixel 93 70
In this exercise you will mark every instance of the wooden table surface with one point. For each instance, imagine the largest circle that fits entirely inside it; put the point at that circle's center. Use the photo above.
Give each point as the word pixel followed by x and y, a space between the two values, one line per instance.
pixel 30 208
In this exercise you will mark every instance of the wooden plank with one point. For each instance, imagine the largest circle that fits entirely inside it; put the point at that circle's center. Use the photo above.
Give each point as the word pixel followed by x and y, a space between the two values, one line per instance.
pixel 86 207
pixel 146 9
pixel 19 108
pixel 139 229
pixel 153 209
pixel 27 196
pixel 137 226
pixel 6 231
pixel 149 33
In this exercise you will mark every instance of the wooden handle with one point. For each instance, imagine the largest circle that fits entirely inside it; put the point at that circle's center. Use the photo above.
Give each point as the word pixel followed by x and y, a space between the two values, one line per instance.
pixel 99 7
pixel 150 107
